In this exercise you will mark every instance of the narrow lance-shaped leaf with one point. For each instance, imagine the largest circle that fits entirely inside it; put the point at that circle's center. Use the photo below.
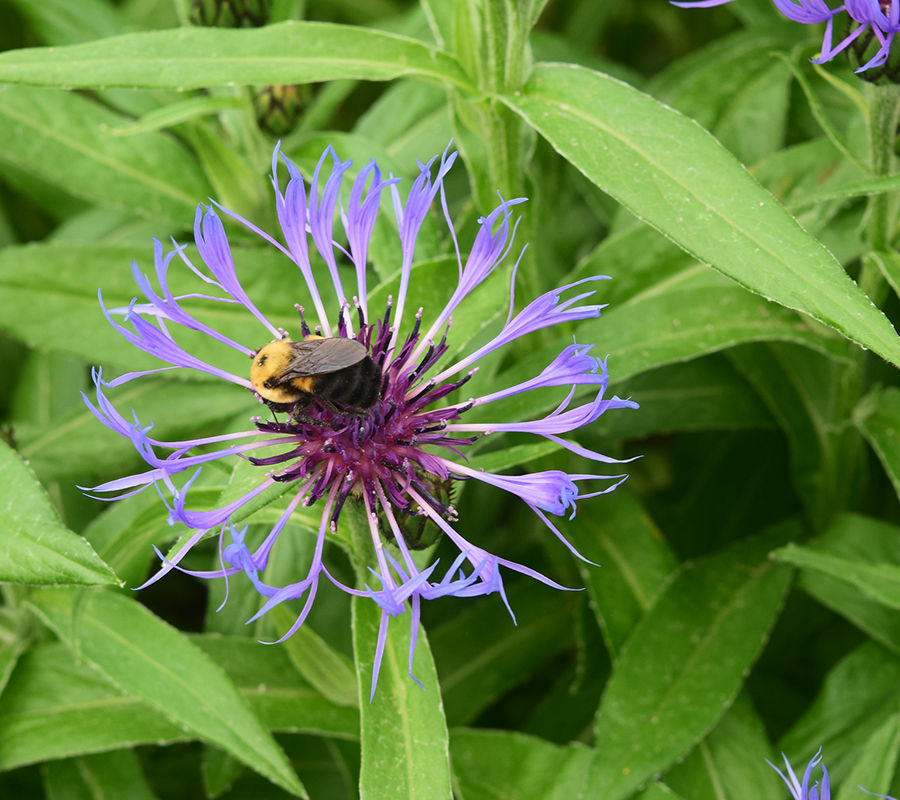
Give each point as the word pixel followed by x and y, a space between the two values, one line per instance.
pixel 493 764
pixel 878 417
pixel 148 658
pixel 674 175
pixel 685 662
pixel 115 774
pixel 404 735
pixel 862 540
pixel 57 707
pixel 880 582
pixel 191 58
pixel 65 139
pixel 35 547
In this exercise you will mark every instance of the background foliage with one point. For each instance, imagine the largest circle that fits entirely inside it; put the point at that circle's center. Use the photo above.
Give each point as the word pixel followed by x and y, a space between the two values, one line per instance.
pixel 748 600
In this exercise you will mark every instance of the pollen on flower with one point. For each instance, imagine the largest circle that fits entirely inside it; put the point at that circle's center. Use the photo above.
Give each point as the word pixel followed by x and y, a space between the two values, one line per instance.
pixel 372 411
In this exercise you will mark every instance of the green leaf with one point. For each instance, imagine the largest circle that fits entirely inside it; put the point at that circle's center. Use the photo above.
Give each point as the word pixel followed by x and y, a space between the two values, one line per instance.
pixel 507 457
pixel 731 761
pixel 811 397
pixel 889 183
pixel 880 582
pixel 125 533
pixel 635 563
pixel 149 659
pixel 62 281
pixel 176 113
pixel 79 444
pixel 35 547
pixel 96 777
pixel 276 691
pixel 14 639
pixel 703 394
pixel 875 768
pixel 64 139
pixel 818 111
pixel 888 263
pixel 328 671
pixel 409 120
pixel 658 791
pixel 494 764
pixel 685 662
pixel 696 313
pixel 481 654
pixel 735 89
pixel 194 57
pixel 404 735
pixel 878 417
pixel 64 22
pixel 858 539
pixel 691 189
pixel 55 707
pixel 220 771
pixel 859 694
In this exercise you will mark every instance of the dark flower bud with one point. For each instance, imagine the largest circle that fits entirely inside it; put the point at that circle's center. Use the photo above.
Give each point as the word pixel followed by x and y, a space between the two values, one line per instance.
pixel 279 107
pixel 230 13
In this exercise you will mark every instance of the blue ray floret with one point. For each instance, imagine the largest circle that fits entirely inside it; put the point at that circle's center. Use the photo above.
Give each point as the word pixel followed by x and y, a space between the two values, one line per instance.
pixel 393 458
pixel 880 17
pixel 801 790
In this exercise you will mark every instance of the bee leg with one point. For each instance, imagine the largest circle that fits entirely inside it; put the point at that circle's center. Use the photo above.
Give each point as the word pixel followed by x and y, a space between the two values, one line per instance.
pixel 298 413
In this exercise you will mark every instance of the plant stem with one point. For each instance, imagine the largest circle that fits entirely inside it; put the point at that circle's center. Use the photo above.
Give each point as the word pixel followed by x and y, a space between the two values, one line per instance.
pixel 884 108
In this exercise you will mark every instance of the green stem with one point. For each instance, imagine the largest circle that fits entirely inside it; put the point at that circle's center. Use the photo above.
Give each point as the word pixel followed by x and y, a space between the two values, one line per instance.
pixel 362 548
pixel 884 109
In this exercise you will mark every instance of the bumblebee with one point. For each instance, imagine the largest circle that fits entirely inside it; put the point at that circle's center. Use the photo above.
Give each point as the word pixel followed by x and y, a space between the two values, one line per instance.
pixel 337 372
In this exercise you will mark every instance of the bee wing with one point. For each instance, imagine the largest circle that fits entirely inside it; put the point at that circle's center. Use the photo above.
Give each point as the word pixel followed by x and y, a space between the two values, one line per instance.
pixel 321 356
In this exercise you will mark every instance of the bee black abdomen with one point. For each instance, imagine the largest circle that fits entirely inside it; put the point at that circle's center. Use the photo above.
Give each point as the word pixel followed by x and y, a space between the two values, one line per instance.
pixel 358 386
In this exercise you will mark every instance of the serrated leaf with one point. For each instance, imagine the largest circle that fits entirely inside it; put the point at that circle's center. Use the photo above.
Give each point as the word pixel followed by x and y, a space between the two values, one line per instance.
pixel 690 188
pixel 156 663
pixel 195 57
pixel 35 547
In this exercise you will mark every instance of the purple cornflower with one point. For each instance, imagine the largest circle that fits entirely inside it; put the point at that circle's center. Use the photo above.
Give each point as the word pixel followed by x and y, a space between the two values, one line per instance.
pixel 881 17
pixel 803 791
pixel 396 457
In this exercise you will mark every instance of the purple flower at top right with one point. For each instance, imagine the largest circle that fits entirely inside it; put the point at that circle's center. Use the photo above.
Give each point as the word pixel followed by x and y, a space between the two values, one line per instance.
pixel 801 790
pixel 880 17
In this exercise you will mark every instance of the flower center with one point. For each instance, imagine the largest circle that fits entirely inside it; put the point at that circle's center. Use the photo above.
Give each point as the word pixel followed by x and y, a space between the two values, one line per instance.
pixel 381 444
